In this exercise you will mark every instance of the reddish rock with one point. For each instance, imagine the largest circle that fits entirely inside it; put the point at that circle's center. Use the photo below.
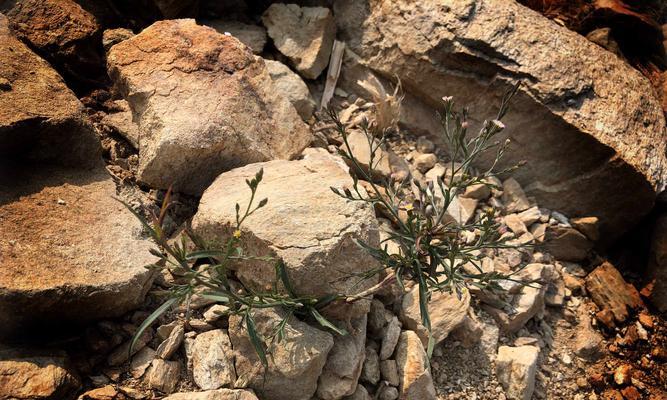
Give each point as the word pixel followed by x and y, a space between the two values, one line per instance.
pixel 631 393
pixel 597 380
pixel 646 320
pixel 623 374
pixel 25 375
pixel 611 292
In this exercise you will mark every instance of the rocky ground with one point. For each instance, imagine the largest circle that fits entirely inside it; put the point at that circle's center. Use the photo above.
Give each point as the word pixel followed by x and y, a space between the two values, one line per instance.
pixel 139 102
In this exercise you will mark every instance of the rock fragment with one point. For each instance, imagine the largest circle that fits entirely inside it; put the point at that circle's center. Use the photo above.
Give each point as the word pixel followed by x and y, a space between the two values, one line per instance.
pixel 163 375
pixel 515 369
pixel 611 292
pixel 415 381
pixel 27 374
pixel 213 360
pixel 290 85
pixel 252 36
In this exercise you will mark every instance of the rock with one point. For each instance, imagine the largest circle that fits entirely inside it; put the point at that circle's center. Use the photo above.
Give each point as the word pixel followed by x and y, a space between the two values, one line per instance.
pixel 216 312
pixel 121 123
pixel 170 345
pixel 359 147
pixel 252 36
pixel 445 309
pixel 344 364
pixel 425 162
pixel 55 271
pixel 304 34
pixel 390 338
pixel 107 392
pixel 516 225
pixel 204 104
pixel 657 265
pixel 320 258
pixel 424 145
pixel 530 216
pixel 609 291
pixel 587 341
pixel 32 375
pixel 360 394
pixel 122 353
pixel 478 191
pixel 63 32
pixel 141 361
pixel 212 360
pixel 219 394
pixel 378 318
pixel 163 331
pixel 295 363
pixel 555 294
pixel 515 369
pixel 53 132
pixel 371 371
pixel 415 381
pixel 110 37
pixel 389 372
pixel 514 198
pixel 569 121
pixel 603 38
pixel 163 375
pixel 387 393
pixel 588 226
pixel 469 331
pixel 292 87
pixel 566 244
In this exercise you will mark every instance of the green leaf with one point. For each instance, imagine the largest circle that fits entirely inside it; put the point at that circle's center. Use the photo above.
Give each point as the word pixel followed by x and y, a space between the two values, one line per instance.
pixel 325 323
pixel 284 278
pixel 151 318
pixel 195 255
pixel 216 297
pixel 256 342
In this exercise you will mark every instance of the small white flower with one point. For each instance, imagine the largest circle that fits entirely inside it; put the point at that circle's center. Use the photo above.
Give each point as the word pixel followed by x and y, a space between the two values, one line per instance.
pixel 464 124
pixel 447 99
pixel 499 125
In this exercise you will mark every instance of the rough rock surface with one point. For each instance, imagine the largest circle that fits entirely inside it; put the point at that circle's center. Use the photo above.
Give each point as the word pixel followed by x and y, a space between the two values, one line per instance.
pixel 576 97
pixel 316 241
pixel 296 361
pixel 611 292
pixel 414 373
pixel 515 368
pixel 68 250
pixel 220 394
pixel 52 131
pixel 212 360
pixel 26 376
pixel 290 85
pixel 204 104
pixel 304 34
pixel 252 36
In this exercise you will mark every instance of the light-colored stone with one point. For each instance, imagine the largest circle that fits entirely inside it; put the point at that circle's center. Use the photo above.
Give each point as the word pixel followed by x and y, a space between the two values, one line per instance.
pixel 570 119
pixel 111 37
pixel 121 122
pixel 141 361
pixel 215 312
pixel 70 252
pixel 320 258
pixel 415 381
pixel 588 226
pixel 29 375
pixel 392 333
pixel 304 34
pixel 252 36
pixel 516 225
pixel 361 150
pixel 163 375
pixel 515 369
pixel 290 85
pixel 204 104
pixel 514 198
pixel 371 371
pixel 295 363
pixel 170 345
pixel 530 216
pixel 213 360
pixel 425 162
pixel 344 364
pixel 446 311
pixel 219 394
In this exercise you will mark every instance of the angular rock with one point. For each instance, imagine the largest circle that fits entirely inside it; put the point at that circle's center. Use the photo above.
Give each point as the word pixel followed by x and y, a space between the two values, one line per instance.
pixel 344 364
pixel 30 375
pixel 212 360
pixel 611 292
pixel 252 36
pixel 204 105
pixel 389 372
pixel 378 318
pixel 387 393
pixel 566 244
pixel 446 311
pixel 304 34
pixel 359 147
pixel 215 313
pixel 587 341
pixel 515 369
pixel 360 394
pixel 320 258
pixel 141 361
pixel 657 265
pixel 295 363
pixel 30 128
pixel 121 123
pixel 570 119
pixel 588 226
pixel 290 85
pixel 390 338
pixel 69 251
pixel 111 37
pixel 514 197
pixel 163 375
pixel 170 345
pixel 415 381
pixel 219 394
pixel 371 371
pixel 63 32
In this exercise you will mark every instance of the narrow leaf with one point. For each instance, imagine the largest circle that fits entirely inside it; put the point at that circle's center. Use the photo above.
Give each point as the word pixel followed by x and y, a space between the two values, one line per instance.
pixel 326 323
pixel 151 318
pixel 255 340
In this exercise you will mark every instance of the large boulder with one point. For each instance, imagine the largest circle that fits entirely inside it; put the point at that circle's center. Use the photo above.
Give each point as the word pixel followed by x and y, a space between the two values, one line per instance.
pixel 52 131
pixel 204 104
pixel 294 364
pixel 587 123
pixel 313 230
pixel 27 374
pixel 69 251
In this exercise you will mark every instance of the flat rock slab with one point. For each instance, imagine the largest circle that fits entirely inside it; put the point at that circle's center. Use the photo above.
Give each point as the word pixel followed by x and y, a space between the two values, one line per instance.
pixel 69 252
pixel 588 124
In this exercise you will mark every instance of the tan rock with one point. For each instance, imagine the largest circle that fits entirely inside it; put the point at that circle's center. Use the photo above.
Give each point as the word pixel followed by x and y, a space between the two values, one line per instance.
pixel 252 36
pixel 569 121
pixel 290 85
pixel 566 244
pixel 588 226
pixel 611 292
pixel 212 360
pixel 204 104
pixel 321 258
pixel 515 369
pixel 414 372
pixel 163 375
pixel 514 197
pixel 304 34
pixel 219 394
pixel 171 344
pixel 29 375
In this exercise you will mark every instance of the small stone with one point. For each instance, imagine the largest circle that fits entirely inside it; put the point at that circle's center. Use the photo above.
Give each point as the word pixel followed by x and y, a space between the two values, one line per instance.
pixel 390 338
pixel 107 392
pixel 425 162
pixel 163 331
pixel 141 361
pixel 216 312
pixel 387 393
pixel 479 191
pixel 513 197
pixel 212 360
pixel 515 369
pixel 424 145
pixel 163 375
pixel 611 292
pixel 646 320
pixel 530 216
pixel 389 372
pixel 122 353
pixel 219 394
pixel 588 226
pixel 371 370
pixel 631 393
pixel 360 394
pixel 566 244
pixel 516 225
pixel 623 374
pixel 168 347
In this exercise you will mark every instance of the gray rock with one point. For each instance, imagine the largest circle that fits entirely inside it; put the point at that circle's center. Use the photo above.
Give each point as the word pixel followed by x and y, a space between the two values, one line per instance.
pixel 387 393
pixel 252 36
pixel 389 372
pixel 141 361
pixel 290 85
pixel 390 337
pixel 515 369
pixel 304 34
pixel 204 104
pixel 360 394
pixel 212 360
pixel 170 345
pixel 371 371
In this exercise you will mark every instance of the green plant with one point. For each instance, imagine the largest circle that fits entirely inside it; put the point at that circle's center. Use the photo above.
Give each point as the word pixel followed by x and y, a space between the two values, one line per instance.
pixel 205 270
pixel 434 249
